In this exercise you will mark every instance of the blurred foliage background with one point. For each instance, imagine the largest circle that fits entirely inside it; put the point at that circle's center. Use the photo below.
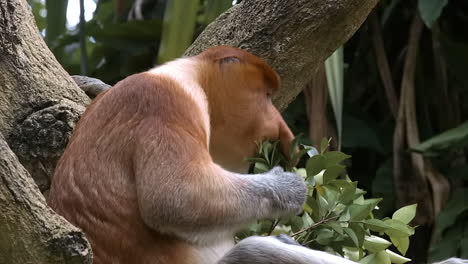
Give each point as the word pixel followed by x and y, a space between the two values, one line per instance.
pixel 395 96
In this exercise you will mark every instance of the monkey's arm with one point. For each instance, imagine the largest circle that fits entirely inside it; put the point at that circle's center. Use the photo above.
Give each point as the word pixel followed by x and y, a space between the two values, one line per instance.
pixel 181 191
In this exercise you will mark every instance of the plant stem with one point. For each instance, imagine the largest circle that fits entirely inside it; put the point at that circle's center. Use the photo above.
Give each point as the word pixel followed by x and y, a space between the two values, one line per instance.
pixel 273 226
pixel 323 221
pixel 82 36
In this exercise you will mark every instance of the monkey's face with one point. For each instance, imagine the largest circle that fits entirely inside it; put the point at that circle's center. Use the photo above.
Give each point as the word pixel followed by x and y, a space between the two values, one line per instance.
pixel 239 90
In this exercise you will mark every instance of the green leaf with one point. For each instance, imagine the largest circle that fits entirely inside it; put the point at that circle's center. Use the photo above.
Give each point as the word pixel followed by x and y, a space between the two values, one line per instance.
pixel 453 138
pixel 339 209
pixel 359 193
pixel 405 214
pixel 261 167
pixel 376 225
pixel 266 150
pixel 359 212
pixel 395 258
pixel 334 68
pixel 331 195
pixel 335 157
pixel 296 223
pixel 347 189
pixel 332 173
pixel 315 208
pixel 275 155
pixel 398 229
pixel 318 179
pixel 323 205
pixel 324 144
pixel 345 216
pixel 375 244
pixel 371 202
pixel 431 10
pixel 315 165
pixel 307 208
pixel 369 259
pixel 301 171
pixel 307 220
pixel 293 146
pixel 324 236
pixel 298 155
pixel 401 243
pixel 352 253
pixel 359 231
pixel 255 227
pixel 383 258
pixel 253 160
pixel 281 229
pixel 350 232
pixel 335 226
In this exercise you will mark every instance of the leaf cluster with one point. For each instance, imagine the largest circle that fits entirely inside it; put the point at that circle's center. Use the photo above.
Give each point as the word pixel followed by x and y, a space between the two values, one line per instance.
pixel 336 217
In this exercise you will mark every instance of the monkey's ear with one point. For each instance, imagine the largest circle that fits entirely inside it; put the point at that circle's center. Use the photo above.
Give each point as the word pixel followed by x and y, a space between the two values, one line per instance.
pixel 229 60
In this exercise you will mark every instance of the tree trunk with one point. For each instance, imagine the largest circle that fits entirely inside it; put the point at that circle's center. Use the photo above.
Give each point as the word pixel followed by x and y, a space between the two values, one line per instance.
pixel 30 231
pixel 39 105
pixel 39 102
pixel 295 37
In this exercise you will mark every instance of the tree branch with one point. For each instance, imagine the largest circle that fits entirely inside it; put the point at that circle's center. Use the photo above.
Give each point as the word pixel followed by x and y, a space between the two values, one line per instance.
pixel 295 37
pixel 321 222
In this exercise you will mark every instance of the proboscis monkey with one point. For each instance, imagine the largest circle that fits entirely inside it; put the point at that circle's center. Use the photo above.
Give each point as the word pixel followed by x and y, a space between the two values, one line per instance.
pixel 154 170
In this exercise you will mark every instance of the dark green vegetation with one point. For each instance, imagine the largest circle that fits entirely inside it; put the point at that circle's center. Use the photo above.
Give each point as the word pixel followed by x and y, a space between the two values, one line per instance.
pixel 404 97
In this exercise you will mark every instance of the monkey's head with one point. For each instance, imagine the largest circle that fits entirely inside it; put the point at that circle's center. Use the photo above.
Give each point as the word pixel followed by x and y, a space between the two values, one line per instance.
pixel 239 88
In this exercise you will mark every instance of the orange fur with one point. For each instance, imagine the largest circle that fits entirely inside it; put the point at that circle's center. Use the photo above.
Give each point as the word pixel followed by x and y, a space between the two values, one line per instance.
pixel 142 169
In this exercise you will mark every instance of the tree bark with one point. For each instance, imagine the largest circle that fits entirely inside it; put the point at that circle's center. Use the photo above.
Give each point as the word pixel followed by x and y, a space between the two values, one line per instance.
pixel 295 37
pixel 39 102
pixel 30 231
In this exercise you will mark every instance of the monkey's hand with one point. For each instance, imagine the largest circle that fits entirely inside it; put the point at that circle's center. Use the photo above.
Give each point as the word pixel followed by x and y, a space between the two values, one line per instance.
pixel 286 191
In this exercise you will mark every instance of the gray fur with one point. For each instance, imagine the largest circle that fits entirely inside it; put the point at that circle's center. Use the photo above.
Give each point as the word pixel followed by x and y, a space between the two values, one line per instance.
pixel 285 191
pixel 270 250
pixel 284 250
pixel 287 240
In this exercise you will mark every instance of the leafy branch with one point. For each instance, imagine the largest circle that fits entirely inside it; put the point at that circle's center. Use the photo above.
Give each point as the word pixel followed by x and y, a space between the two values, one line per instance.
pixel 336 218
pixel 323 221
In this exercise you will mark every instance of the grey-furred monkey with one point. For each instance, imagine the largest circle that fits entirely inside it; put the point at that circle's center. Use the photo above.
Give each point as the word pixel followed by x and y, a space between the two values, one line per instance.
pixel 154 172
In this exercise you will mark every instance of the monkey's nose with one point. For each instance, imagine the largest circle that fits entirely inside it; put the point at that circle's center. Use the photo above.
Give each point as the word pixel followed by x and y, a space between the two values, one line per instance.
pixel 285 137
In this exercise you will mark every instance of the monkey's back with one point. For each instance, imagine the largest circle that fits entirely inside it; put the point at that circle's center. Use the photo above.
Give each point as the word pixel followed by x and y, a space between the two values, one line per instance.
pixel 94 182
